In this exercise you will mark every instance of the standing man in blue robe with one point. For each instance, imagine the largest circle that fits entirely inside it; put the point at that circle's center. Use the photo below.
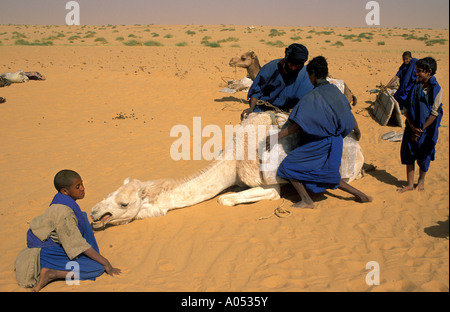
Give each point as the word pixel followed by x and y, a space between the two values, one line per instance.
pixel 407 76
pixel 324 118
pixel 423 112
pixel 281 82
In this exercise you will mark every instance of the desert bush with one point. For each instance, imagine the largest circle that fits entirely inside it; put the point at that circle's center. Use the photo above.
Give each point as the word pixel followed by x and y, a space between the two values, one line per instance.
pixel 338 44
pixel 35 43
pixel 153 44
pixel 101 40
pixel 274 32
pixel 432 42
pixel 229 39
pixel 132 42
pixel 278 44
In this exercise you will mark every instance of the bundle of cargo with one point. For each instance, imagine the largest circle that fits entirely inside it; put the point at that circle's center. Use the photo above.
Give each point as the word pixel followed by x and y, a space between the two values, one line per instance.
pixel 386 109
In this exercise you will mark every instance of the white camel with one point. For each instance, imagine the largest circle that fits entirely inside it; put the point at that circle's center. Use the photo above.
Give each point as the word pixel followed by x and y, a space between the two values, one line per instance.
pixel 139 200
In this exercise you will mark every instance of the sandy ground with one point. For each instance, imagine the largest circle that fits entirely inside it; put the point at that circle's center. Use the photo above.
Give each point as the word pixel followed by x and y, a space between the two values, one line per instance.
pixel 70 121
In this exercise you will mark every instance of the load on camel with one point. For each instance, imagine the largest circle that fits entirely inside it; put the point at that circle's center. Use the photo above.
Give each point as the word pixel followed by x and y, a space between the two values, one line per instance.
pixel 249 60
pixel 138 200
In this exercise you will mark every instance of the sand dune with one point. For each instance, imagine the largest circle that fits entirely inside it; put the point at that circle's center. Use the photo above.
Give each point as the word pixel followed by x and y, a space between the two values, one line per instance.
pixel 73 120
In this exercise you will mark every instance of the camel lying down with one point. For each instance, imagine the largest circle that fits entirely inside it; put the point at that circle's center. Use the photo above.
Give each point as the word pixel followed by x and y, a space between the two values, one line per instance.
pixel 139 200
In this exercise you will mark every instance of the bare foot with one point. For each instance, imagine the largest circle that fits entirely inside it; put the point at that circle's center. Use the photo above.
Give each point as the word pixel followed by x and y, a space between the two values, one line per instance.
pixel 304 205
pixel 421 186
pixel 46 276
pixel 406 188
pixel 364 199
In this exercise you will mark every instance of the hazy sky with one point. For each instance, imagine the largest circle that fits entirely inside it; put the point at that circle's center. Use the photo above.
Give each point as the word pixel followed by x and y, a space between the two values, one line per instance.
pixel 349 13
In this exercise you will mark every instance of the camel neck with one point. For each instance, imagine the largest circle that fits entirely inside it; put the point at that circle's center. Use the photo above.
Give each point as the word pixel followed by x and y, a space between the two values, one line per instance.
pixel 202 186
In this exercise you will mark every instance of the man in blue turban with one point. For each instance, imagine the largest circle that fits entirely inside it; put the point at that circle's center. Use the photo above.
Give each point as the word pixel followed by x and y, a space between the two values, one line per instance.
pixel 281 82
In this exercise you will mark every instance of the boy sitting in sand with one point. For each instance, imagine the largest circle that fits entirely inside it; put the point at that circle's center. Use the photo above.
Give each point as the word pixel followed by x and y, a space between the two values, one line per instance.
pixel 423 111
pixel 60 237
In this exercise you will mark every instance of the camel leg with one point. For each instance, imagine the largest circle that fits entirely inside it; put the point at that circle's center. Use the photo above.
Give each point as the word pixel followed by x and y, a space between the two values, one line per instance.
pixel 252 195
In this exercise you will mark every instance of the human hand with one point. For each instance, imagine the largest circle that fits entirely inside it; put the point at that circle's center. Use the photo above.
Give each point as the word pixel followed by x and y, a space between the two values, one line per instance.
pixel 270 139
pixel 357 134
pixel 245 113
pixel 112 271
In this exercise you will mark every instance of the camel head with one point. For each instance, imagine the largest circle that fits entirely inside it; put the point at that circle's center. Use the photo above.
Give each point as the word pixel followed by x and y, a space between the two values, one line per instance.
pixel 119 207
pixel 249 61
pixel 245 60
pixel 132 200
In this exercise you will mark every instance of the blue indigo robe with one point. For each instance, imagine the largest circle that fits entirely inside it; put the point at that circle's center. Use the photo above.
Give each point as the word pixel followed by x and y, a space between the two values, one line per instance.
pixel 324 118
pixel 270 85
pixel 407 76
pixel 419 107
pixel 53 255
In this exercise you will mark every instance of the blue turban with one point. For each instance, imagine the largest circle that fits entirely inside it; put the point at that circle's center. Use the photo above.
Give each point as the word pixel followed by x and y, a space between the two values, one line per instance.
pixel 296 54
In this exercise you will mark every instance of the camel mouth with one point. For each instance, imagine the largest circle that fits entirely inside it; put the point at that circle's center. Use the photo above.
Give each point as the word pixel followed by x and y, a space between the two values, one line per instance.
pixel 101 222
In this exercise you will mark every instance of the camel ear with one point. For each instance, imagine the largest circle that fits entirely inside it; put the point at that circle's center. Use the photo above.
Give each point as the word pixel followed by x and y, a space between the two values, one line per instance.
pixel 127 180
pixel 252 54
pixel 143 191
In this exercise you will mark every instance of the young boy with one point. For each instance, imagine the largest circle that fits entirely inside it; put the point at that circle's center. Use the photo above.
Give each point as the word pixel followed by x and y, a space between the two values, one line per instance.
pixel 61 240
pixel 407 75
pixel 423 111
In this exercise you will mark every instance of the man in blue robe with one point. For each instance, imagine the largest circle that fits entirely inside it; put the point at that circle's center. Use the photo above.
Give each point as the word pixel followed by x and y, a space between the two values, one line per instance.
pixel 324 118
pixel 281 82
pixel 407 76
pixel 423 111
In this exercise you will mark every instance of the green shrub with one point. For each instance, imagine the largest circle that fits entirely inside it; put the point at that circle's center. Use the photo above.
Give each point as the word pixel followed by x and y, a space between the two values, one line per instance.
pixel 153 44
pixel 274 33
pixel 278 44
pixel 35 43
pixel 132 43
pixel 212 44
pixel 338 44
pixel 101 40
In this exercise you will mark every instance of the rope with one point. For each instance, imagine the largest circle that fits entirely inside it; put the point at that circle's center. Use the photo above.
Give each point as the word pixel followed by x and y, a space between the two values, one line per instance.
pixel 276 109
pixel 280 212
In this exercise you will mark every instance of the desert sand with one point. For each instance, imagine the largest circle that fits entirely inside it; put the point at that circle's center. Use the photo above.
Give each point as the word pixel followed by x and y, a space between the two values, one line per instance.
pixel 106 110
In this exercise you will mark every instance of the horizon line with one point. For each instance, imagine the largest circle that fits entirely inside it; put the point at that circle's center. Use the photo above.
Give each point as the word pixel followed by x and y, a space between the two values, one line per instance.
pixel 243 25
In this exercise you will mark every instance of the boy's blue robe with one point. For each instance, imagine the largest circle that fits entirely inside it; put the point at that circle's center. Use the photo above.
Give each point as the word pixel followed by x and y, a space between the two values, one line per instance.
pixel 283 92
pixel 419 107
pixel 53 255
pixel 324 118
pixel 407 76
